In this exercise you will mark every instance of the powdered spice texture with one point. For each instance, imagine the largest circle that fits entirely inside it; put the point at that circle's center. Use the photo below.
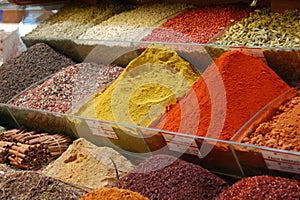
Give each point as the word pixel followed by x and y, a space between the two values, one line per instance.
pixel 263 187
pixel 112 194
pixel 282 131
pixel 228 94
pixel 158 76
pixel 166 177
pixel 87 165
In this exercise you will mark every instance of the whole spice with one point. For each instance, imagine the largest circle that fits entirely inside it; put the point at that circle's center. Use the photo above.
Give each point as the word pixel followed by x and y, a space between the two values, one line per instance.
pixel 132 24
pixel 30 149
pixel 112 194
pixel 265 28
pixel 73 19
pixel 229 93
pixel 263 187
pixel 33 185
pixel 88 165
pixel 68 87
pixel 31 66
pixel 197 25
pixel 167 177
pixel 156 77
pixel 282 130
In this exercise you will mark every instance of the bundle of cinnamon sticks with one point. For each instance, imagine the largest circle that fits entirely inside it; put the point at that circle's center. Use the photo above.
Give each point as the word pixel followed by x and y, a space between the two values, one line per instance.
pixel 30 149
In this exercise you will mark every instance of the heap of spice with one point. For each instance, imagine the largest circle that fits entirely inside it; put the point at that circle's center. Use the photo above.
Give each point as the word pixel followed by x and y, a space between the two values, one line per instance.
pixel 282 131
pixel 73 19
pixel 90 166
pixel 30 67
pixel 197 25
pixel 33 185
pixel 167 177
pixel 113 194
pixel 228 94
pixel 68 87
pixel 156 77
pixel 262 187
pixel 132 24
pixel 265 28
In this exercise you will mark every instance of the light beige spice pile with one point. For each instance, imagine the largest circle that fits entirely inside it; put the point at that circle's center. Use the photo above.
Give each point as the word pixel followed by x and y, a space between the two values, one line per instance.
pixel 132 24
pixel 87 165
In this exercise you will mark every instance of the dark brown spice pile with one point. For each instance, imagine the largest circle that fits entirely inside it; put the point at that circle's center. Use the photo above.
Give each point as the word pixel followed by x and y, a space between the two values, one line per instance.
pixel 263 187
pixel 31 66
pixel 35 186
pixel 166 177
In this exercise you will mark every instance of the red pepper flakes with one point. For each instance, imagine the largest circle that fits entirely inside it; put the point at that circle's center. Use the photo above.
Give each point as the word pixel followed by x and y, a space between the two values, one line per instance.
pixel 197 25
pixel 263 187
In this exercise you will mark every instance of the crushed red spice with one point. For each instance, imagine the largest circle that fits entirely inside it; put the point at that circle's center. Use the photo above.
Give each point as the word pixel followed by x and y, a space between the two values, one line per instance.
pixel 262 187
pixel 197 25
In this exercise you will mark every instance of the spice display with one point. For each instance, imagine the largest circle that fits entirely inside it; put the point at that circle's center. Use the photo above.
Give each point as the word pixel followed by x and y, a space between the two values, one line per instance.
pixel 68 87
pixel 30 149
pixel 132 24
pixel 112 194
pixel 263 187
pixel 166 177
pixel 229 93
pixel 88 165
pixel 155 77
pixel 282 130
pixel 265 28
pixel 197 25
pixel 73 19
pixel 33 185
pixel 31 66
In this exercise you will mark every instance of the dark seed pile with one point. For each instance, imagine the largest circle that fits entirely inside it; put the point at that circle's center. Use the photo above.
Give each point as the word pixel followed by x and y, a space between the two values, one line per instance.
pixel 166 177
pixel 263 187
pixel 31 66
pixel 35 186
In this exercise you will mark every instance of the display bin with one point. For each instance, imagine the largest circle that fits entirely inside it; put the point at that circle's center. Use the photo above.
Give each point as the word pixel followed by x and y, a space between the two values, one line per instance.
pixel 258 159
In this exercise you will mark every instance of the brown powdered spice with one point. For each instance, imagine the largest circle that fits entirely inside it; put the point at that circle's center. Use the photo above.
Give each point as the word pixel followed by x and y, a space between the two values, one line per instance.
pixel 88 165
pixel 282 131
pixel 112 194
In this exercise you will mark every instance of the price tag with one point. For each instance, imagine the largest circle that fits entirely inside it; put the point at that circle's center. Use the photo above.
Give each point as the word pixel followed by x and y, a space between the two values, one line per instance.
pixel 182 144
pixel 101 129
pixel 282 161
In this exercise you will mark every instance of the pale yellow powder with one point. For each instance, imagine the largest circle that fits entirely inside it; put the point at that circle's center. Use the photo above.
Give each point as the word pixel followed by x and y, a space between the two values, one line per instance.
pixel 140 94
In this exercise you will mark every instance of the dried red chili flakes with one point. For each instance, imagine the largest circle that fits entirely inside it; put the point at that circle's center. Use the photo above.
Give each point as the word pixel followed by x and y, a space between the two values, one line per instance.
pixel 197 25
pixel 263 187
pixel 166 177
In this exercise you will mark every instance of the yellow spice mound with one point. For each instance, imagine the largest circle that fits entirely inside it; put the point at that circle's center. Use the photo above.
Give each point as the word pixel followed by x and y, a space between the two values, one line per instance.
pixel 149 82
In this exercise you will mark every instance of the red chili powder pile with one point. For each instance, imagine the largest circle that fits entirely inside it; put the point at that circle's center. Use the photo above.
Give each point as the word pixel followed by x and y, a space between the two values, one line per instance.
pixel 198 24
pixel 229 93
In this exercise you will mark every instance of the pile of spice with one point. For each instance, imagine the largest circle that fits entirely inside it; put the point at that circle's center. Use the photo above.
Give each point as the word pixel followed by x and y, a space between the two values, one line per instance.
pixel 88 165
pixel 167 177
pixel 263 187
pixel 132 24
pixel 282 131
pixel 112 194
pixel 197 25
pixel 156 77
pixel 265 28
pixel 68 87
pixel 73 19
pixel 5 173
pixel 228 94
pixel 30 149
pixel 31 66
pixel 33 185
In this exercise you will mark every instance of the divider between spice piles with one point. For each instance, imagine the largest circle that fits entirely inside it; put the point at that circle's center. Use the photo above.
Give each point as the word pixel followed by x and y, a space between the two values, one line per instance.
pixel 264 158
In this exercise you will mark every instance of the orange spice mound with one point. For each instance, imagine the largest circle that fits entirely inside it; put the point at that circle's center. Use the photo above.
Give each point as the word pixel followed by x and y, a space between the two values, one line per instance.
pixel 113 194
